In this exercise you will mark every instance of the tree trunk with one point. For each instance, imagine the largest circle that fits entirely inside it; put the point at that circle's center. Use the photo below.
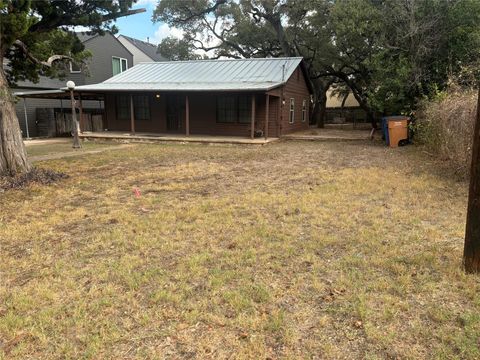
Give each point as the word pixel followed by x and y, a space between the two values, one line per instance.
pixel 320 109
pixel 13 155
pixel 471 251
pixel 371 119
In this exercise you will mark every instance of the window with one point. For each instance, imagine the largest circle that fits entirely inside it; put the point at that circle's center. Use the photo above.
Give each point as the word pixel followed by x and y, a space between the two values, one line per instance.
pixel 123 107
pixel 304 110
pixel 74 68
pixel 234 109
pixel 291 119
pixel 244 109
pixel 226 109
pixel 141 107
pixel 119 65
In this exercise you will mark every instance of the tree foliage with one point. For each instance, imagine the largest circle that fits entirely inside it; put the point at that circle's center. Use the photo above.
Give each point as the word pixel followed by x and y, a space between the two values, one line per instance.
pixel 177 49
pixel 388 53
pixel 31 32
pixel 37 38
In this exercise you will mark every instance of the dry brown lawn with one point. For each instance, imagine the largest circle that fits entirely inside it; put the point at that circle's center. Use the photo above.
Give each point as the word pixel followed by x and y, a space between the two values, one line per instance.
pixel 295 250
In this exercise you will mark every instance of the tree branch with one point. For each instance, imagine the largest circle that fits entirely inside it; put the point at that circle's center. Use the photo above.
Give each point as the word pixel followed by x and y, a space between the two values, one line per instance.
pixel 49 63
pixel 203 12
pixel 46 23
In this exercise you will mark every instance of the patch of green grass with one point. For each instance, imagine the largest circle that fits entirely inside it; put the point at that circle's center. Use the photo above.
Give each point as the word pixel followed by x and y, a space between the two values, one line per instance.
pixel 63 147
pixel 291 250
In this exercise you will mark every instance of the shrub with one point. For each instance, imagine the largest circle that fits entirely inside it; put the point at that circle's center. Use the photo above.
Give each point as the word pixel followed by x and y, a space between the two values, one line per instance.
pixel 445 126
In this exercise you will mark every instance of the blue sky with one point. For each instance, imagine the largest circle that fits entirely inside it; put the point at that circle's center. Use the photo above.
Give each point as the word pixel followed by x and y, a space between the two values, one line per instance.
pixel 140 26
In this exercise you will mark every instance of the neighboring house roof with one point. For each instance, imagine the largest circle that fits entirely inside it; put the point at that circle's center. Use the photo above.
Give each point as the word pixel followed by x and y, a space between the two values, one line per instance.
pixel 83 36
pixel 202 75
pixel 42 83
pixel 148 49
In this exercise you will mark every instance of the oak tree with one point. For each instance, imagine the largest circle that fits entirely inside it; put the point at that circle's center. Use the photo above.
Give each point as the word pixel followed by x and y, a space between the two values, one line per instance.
pixel 37 38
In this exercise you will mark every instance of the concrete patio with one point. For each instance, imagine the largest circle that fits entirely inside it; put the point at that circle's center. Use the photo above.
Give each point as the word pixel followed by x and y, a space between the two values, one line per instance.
pixel 329 134
pixel 157 137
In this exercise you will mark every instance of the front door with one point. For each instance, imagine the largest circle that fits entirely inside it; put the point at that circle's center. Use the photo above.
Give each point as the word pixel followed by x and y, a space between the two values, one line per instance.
pixel 173 113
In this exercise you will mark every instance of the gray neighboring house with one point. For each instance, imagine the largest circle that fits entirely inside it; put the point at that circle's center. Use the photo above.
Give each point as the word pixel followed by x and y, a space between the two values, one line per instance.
pixel 109 57
pixel 142 51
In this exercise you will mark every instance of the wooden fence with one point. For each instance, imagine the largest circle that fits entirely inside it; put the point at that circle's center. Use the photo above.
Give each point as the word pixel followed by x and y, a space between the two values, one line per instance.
pixel 58 122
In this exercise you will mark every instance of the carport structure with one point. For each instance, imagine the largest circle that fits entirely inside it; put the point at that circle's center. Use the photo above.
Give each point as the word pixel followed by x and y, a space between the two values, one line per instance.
pixel 62 95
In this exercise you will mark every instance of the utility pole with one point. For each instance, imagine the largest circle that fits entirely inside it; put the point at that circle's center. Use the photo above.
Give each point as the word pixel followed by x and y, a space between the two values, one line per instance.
pixel 471 251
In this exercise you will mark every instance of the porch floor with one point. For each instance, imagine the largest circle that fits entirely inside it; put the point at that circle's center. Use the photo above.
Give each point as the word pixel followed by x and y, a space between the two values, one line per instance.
pixel 163 137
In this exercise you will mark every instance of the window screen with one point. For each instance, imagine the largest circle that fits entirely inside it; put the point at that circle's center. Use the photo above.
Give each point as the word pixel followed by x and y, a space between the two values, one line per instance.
pixel 226 109
pixel 141 107
pixel 123 107
pixel 234 109
pixel 244 109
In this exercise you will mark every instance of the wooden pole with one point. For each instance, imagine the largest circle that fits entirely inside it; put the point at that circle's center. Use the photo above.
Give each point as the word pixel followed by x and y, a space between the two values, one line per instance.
pixel 187 116
pixel 81 125
pixel 471 251
pixel 267 110
pixel 76 140
pixel 252 126
pixel 132 116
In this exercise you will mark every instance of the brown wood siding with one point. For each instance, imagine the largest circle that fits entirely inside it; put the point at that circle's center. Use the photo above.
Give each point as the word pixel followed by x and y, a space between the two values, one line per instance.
pixel 272 114
pixel 296 87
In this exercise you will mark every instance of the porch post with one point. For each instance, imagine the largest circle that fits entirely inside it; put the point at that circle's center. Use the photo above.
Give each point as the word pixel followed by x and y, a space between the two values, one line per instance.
pixel 187 116
pixel 132 116
pixel 252 126
pixel 26 117
pixel 267 109
pixel 80 110
pixel 63 116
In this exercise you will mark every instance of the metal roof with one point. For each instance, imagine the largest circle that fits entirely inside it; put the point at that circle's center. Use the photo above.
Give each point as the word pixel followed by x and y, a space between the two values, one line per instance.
pixel 85 36
pixel 202 75
pixel 39 92
pixel 55 94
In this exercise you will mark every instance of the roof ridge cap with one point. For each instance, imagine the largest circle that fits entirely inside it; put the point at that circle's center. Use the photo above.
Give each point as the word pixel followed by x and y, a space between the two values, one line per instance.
pixel 218 60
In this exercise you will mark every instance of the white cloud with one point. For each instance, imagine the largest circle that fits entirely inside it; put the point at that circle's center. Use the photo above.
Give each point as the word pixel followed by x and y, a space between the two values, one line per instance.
pixel 164 31
pixel 147 2
pixel 79 28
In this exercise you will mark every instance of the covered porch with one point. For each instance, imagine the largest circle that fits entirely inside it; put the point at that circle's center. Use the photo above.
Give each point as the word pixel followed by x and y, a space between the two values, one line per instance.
pixel 251 115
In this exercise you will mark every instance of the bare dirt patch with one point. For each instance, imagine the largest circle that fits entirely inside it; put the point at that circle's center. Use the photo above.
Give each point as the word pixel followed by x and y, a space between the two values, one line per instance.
pixel 35 176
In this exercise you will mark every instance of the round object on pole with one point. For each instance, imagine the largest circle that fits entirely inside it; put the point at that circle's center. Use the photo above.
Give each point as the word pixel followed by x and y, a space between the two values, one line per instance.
pixel 70 85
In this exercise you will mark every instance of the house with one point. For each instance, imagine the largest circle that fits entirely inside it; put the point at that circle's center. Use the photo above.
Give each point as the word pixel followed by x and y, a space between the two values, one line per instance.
pixel 244 97
pixel 109 57
pixel 142 51
pixel 341 109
